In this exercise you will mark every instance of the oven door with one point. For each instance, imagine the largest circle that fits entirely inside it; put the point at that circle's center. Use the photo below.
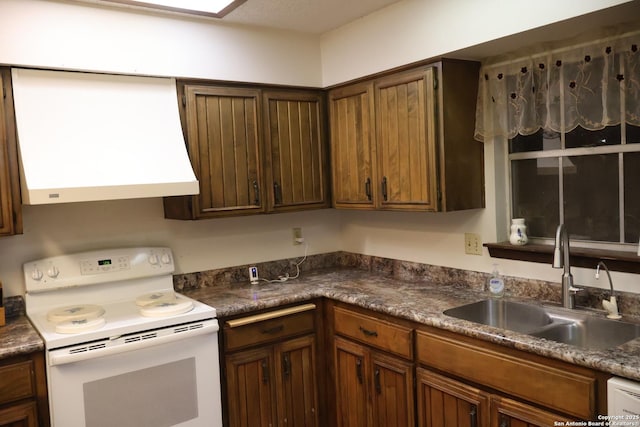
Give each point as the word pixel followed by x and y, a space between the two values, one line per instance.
pixel 169 379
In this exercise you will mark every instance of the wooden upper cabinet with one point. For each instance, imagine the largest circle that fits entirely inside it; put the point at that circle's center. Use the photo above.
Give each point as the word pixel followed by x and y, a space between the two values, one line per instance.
pixel 224 142
pixel 406 140
pixel 352 150
pixel 10 204
pixel 254 150
pixel 296 162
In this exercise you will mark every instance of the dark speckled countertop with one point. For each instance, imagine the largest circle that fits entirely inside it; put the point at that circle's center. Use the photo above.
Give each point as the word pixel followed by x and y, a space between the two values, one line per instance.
pixel 17 337
pixel 420 302
pixel 416 301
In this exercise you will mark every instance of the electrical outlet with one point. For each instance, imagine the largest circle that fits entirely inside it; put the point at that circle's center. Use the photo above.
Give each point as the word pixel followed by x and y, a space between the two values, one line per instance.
pixel 472 244
pixel 297 236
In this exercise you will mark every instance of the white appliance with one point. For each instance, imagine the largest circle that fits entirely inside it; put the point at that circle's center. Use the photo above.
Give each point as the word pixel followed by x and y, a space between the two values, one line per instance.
pixel 88 136
pixel 122 348
pixel 623 401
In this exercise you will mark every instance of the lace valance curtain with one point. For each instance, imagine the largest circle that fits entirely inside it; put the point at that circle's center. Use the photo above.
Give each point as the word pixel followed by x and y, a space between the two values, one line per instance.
pixel 592 85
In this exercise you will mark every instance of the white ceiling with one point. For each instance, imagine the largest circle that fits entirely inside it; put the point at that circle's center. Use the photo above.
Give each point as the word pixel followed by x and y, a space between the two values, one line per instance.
pixel 309 16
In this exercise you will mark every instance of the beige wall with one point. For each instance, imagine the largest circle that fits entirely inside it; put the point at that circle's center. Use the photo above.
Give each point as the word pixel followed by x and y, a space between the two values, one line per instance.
pixel 62 34
pixel 413 30
pixel 51 230
pixel 83 36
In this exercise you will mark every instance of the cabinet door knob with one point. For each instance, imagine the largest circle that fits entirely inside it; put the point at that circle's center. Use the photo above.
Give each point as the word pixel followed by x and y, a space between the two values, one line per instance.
pixel 265 372
pixel 376 377
pixel 359 370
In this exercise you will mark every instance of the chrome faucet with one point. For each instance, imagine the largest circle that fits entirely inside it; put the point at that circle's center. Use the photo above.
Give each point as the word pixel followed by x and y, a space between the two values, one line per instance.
pixel 610 305
pixel 561 259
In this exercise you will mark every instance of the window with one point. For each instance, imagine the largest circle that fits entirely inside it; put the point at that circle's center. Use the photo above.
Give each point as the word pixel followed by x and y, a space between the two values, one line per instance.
pixel 571 117
pixel 588 180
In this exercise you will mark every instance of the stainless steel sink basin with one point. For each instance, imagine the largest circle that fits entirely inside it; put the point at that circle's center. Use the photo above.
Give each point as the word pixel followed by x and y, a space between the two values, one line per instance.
pixel 503 314
pixel 566 326
pixel 587 331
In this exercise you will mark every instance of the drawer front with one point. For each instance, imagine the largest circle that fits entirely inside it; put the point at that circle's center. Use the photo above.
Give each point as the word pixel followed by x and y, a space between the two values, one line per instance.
pixel 549 386
pixel 270 326
pixel 16 381
pixel 377 333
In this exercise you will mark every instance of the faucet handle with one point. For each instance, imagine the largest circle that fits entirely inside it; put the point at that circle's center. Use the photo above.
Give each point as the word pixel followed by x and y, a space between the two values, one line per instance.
pixel 574 290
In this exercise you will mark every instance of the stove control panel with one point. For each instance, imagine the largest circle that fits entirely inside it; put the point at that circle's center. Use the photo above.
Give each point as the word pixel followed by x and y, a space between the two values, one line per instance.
pixel 89 268
pixel 104 265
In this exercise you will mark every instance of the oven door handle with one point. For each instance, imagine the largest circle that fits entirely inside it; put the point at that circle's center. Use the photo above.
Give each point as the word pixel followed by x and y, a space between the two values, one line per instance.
pixel 132 342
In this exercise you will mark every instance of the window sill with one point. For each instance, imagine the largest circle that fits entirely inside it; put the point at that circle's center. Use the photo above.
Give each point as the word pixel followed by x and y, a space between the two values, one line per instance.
pixel 627 262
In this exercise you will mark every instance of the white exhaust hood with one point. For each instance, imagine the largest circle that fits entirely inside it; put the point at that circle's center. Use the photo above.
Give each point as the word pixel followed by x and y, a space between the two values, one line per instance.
pixel 86 137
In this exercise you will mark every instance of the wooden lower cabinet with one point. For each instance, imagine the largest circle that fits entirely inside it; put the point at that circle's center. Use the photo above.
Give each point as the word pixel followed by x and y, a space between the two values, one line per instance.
pixel 296 384
pixel 251 389
pixel 23 391
pixel 506 412
pixel 271 369
pixel 522 389
pixel 350 383
pixel 444 402
pixel 22 415
pixel 372 388
pixel 274 385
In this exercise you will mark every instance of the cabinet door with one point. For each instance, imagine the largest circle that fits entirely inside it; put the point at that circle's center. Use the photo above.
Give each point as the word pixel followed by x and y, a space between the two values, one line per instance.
pixel 351 361
pixel 392 393
pixel 406 141
pixel 10 213
pixel 224 146
pixel 251 388
pixel 297 383
pixel 295 147
pixel 22 415
pixel 352 149
pixel 510 413
pixel 443 402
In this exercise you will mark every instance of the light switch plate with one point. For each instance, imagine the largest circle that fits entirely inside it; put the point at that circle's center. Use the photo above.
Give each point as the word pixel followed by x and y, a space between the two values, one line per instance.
pixel 472 244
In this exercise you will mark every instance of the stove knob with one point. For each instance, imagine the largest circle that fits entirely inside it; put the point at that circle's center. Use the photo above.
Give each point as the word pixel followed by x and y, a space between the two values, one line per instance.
pixel 36 274
pixel 166 259
pixel 153 259
pixel 53 271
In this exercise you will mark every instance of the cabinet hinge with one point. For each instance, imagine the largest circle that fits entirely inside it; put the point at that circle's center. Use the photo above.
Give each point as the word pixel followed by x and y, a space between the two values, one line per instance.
pixel 184 100
pixel 435 82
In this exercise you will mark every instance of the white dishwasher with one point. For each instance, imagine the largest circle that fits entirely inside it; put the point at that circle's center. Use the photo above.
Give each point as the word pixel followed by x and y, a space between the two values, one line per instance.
pixel 623 398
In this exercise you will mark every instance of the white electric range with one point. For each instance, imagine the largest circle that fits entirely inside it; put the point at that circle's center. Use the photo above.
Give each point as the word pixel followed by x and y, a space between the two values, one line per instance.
pixel 123 349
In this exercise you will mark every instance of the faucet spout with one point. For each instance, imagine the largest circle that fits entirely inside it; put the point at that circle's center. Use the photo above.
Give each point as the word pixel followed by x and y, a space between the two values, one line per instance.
pixel 611 305
pixel 560 260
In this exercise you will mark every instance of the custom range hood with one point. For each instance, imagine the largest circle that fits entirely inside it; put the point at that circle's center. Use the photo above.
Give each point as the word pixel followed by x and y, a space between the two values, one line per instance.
pixel 87 137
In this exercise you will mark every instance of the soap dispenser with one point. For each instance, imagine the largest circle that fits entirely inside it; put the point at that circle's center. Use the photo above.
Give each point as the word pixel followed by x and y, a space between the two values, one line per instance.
pixel 495 284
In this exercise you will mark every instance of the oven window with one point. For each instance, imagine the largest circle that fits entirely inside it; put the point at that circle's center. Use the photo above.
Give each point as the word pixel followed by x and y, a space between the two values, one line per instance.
pixel 160 396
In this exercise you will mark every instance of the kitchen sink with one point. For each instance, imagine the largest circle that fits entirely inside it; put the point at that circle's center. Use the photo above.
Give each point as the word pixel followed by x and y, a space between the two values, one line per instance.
pixel 514 316
pixel 586 330
pixel 566 326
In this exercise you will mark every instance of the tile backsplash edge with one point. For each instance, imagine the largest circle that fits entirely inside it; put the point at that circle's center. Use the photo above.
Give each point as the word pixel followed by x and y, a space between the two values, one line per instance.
pixel 629 303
